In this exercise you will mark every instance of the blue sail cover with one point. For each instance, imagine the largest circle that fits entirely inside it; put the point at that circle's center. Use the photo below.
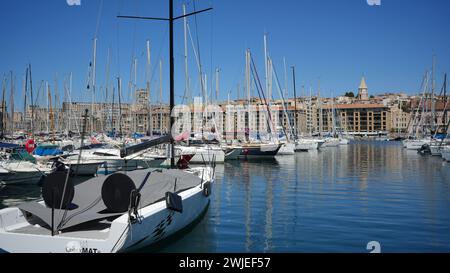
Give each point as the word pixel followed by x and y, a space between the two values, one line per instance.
pixel 5 145
pixel 440 136
pixel 46 150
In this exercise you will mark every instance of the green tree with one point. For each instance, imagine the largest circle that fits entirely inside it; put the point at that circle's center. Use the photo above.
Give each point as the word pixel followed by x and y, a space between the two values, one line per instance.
pixel 350 94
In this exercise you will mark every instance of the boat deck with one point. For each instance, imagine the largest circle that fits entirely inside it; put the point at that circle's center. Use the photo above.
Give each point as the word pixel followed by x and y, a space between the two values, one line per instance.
pixel 99 230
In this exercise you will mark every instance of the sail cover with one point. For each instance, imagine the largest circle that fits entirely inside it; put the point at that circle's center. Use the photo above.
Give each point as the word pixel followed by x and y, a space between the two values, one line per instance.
pixel 88 204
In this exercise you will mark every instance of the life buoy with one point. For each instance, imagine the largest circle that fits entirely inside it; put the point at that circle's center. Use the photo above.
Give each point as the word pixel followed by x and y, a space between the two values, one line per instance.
pixel 30 145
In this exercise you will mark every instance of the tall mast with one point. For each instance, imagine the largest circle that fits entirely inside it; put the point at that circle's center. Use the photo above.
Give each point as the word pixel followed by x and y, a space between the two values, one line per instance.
pixel 31 104
pixel 25 99
pixel 3 108
pixel 149 114
pixel 119 91
pixel 247 86
pixel 134 95
pixel 445 98
pixel 160 98
pixel 113 126
pixel 295 104
pixel 93 83
pixel 172 84
pixel 186 73
pixel 50 114
pixel 217 84
pixel 319 103
pixel 171 20
pixel 433 90
pixel 48 107
pixel 285 80
pixel 12 104
pixel 107 86
pixel 69 115
pixel 266 64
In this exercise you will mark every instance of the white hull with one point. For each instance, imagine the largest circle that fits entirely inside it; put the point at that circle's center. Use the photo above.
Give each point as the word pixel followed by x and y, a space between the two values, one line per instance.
pixel 331 142
pixel 156 223
pixel 203 154
pixel 21 172
pixel 306 146
pixel 414 144
pixel 287 149
pixel 436 150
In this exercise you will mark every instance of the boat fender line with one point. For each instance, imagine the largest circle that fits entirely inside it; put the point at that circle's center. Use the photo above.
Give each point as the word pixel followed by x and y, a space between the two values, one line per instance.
pixel 207 189
pixel 174 202
pixel 52 186
pixel 116 192
pixel 135 200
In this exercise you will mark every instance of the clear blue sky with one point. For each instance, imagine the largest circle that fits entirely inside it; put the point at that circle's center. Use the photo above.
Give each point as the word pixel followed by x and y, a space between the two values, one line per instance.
pixel 334 41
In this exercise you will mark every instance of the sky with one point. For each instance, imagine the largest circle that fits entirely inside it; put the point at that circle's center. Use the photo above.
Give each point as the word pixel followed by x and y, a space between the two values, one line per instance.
pixel 328 41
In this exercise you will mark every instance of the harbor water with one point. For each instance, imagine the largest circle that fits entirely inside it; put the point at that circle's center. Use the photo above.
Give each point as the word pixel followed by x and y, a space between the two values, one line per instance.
pixel 335 200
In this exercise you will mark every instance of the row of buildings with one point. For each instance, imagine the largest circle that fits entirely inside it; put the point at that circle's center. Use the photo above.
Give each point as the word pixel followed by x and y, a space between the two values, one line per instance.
pixel 360 115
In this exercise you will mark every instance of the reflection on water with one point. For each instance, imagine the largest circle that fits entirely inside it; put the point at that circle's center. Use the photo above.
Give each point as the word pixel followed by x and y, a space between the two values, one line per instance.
pixel 335 200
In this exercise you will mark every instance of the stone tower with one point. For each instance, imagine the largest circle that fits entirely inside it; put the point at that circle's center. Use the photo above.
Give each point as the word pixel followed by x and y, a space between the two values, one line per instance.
pixel 363 93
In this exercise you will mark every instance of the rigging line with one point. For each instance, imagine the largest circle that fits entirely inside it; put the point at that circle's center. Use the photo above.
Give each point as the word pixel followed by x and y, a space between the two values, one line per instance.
pixel 211 56
pixel 198 49
pixel 99 16
pixel 283 101
pixel 156 60
pixel 258 89
pixel 262 90
pixel 196 56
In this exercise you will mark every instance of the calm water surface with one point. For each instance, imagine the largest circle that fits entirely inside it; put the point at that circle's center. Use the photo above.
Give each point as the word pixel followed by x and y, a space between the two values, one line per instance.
pixel 334 200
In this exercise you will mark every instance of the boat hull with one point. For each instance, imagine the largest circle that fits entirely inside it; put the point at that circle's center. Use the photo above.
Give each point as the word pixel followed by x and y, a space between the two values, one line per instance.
pixel 156 222
pixel 306 146
pixel 232 153
pixel 287 149
pixel 260 151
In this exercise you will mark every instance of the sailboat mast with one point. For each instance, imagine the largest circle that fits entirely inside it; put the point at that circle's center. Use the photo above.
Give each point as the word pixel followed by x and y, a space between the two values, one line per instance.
pixel 93 83
pixel 119 91
pixel 12 104
pixel 25 99
pixel 50 113
pixel 160 98
pixel 217 84
pixel 247 87
pixel 295 104
pixel 186 73
pixel 31 104
pixel 107 87
pixel 319 103
pixel 433 99
pixel 3 107
pixel 149 114
pixel 171 20
pixel 445 98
